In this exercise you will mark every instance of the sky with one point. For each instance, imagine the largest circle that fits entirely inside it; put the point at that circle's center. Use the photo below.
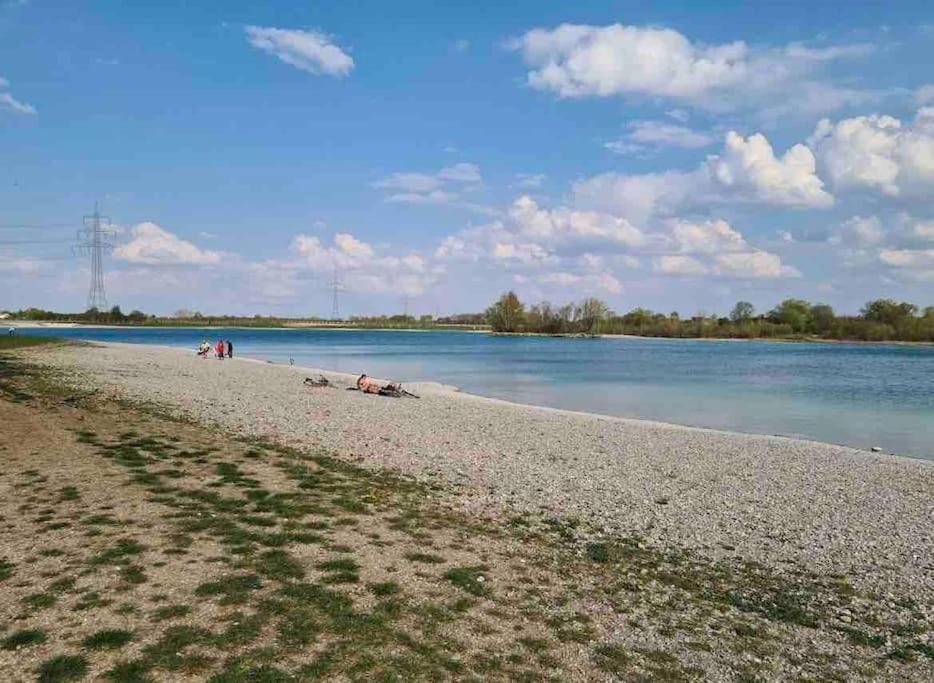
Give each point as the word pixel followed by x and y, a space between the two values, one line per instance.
pixel 430 156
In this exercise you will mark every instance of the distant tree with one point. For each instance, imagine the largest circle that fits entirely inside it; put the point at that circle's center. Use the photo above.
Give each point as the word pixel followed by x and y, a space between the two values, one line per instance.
pixel 590 314
pixel 929 312
pixel 796 313
pixel 822 318
pixel 507 314
pixel 674 315
pixel 888 311
pixel 742 311
pixel 116 313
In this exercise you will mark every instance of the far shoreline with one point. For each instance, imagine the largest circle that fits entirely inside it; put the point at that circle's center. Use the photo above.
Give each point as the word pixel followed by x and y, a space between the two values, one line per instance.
pixel 29 325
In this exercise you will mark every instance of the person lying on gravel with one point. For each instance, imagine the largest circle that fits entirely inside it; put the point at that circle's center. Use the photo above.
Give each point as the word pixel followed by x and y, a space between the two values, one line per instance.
pixel 394 389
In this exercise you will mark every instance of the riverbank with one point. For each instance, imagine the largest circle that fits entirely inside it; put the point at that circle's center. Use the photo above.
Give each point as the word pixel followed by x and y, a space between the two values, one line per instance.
pixel 626 548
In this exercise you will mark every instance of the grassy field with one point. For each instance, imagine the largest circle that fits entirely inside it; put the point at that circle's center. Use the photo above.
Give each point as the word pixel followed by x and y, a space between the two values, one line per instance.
pixel 137 547
pixel 11 342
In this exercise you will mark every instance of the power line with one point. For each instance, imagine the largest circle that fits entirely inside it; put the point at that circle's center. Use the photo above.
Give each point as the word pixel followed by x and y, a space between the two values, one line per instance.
pixel 33 226
pixel 95 239
pixel 12 242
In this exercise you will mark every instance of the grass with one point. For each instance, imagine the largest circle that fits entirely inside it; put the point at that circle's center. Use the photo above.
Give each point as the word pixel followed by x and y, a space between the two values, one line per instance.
pixel 469 579
pixel 63 668
pixel 12 342
pixel 282 537
pixel 23 638
pixel 109 639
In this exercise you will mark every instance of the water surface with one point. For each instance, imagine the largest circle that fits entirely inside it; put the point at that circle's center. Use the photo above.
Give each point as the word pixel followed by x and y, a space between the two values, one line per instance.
pixel 859 395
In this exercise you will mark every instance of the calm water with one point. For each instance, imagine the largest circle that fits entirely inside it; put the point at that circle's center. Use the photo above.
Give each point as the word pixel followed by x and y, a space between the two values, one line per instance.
pixel 851 394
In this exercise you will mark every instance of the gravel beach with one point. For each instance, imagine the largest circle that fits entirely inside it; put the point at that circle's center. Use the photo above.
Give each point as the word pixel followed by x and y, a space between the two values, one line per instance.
pixel 782 502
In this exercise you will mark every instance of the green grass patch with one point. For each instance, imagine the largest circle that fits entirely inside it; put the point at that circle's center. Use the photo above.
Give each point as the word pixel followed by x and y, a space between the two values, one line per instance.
pixel 424 558
pixel 233 590
pixel 10 342
pixel 108 639
pixel 24 638
pixel 385 588
pixel 469 579
pixel 63 668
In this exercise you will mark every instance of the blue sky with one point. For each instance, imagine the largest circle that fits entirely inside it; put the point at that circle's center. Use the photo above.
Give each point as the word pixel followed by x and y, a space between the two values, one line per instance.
pixel 678 156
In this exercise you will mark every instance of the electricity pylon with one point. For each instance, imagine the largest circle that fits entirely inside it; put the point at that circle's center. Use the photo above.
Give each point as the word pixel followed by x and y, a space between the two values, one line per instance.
pixel 96 239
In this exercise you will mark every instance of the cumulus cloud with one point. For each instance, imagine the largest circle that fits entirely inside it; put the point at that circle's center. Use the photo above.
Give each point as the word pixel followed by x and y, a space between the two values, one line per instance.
pixel 10 103
pixel 755 264
pixel 878 152
pixel 749 167
pixel 310 51
pixel 707 237
pixel 910 264
pixel 679 265
pixel 716 248
pixel 152 245
pixel 563 225
pixel 574 60
pixel 747 170
pixel 364 268
pixel 441 187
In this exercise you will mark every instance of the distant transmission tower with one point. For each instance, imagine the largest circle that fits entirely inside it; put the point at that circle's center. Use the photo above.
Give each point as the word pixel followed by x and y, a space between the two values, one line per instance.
pixel 96 239
pixel 405 305
pixel 335 287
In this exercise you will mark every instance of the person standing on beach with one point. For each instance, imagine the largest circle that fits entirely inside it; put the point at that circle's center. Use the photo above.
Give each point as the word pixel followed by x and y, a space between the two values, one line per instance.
pixel 220 349
pixel 229 349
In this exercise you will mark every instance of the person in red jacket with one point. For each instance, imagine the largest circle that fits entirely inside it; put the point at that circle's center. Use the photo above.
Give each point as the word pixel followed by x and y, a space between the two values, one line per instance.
pixel 220 349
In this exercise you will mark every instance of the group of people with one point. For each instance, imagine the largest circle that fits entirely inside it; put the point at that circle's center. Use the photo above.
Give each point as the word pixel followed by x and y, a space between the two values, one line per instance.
pixel 221 349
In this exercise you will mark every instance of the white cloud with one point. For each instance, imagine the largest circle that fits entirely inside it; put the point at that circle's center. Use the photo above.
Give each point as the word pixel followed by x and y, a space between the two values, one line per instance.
pixel 859 233
pixel 153 245
pixel 430 188
pixel 310 51
pixel 879 152
pixel 679 265
pixel 563 225
pixel 925 94
pixel 910 264
pixel 749 167
pixel 363 268
pixel 461 45
pixel 10 103
pixel 753 265
pixel 707 237
pixel 575 60
pixel 604 282
pixel 747 170
pixel 648 134
pixel 461 173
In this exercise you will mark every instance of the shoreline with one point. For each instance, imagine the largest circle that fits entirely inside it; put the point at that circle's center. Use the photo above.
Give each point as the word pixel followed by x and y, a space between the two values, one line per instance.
pixel 777 501
pixel 436 387
pixel 26 325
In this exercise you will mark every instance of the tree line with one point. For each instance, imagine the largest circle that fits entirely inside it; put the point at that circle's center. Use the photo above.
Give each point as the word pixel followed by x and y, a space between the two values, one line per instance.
pixel 878 320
